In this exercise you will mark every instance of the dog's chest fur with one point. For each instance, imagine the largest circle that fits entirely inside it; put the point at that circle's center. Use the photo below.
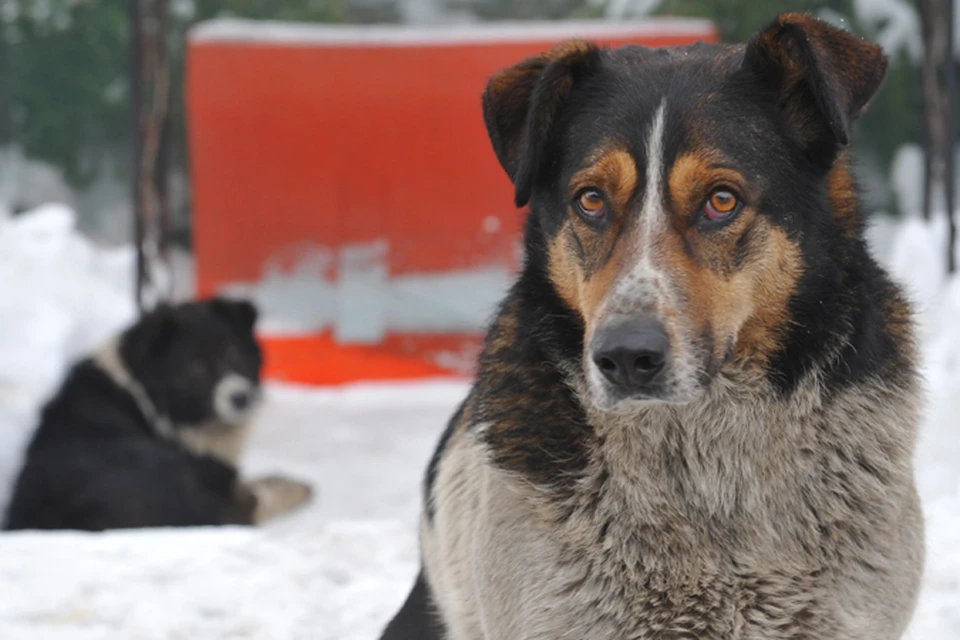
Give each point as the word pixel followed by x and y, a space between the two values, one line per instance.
pixel 734 518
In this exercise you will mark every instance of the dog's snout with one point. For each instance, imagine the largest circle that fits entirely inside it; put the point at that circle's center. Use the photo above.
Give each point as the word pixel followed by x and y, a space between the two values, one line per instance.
pixel 234 397
pixel 631 354
pixel 240 400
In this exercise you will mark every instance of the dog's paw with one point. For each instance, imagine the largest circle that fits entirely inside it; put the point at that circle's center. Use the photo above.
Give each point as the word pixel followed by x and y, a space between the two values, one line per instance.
pixel 277 495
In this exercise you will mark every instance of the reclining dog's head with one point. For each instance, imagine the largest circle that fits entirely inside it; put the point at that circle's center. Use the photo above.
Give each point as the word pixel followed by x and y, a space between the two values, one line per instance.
pixel 677 195
pixel 198 363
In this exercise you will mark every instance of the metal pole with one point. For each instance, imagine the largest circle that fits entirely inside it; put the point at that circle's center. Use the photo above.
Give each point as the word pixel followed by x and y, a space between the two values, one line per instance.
pixel 136 140
pixel 161 122
pixel 149 101
pixel 929 99
pixel 6 93
pixel 949 126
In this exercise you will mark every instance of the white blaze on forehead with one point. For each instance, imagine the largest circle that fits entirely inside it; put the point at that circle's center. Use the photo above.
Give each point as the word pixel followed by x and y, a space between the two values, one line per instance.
pixel 640 285
pixel 651 215
pixel 646 288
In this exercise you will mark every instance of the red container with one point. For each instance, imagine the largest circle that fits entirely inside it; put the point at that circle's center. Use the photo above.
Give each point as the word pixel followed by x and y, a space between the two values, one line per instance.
pixel 347 168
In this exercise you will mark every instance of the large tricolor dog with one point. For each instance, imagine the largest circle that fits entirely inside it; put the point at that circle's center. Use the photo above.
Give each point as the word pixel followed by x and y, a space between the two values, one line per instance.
pixel 696 409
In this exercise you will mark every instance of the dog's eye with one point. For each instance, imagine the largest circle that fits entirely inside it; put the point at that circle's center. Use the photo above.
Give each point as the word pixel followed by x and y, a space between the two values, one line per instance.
pixel 721 205
pixel 590 203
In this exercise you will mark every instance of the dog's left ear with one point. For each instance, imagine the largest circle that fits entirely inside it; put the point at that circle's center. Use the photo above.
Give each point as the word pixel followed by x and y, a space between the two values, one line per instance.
pixel 521 105
pixel 824 75
pixel 241 314
pixel 147 340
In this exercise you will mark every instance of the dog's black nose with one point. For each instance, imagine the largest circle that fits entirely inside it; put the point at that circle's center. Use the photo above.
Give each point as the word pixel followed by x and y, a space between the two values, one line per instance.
pixel 630 354
pixel 240 400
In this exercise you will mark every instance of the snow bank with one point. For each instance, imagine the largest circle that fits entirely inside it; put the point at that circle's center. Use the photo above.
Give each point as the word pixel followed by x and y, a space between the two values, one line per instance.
pixel 61 297
pixel 915 252
pixel 332 582
pixel 266 32
pixel 27 182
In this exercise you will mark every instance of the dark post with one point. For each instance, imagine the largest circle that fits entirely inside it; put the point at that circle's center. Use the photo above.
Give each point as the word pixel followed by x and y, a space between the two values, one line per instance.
pixel 160 123
pixel 6 89
pixel 949 126
pixel 136 139
pixel 934 102
pixel 149 103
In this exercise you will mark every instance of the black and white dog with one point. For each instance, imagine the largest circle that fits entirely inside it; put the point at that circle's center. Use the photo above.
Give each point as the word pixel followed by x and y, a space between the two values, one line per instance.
pixel 148 431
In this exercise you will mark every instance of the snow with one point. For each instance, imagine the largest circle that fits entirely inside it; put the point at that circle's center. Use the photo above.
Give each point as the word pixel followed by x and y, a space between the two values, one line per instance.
pixel 897 25
pixel 26 182
pixel 62 296
pixel 238 30
pixel 333 582
pixel 915 252
pixel 619 9
pixel 340 567
pixel 361 302
pixel 363 446
pixel 906 176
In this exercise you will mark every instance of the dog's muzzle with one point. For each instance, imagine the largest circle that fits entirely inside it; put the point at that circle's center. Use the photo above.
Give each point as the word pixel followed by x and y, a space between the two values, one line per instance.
pixel 631 355
pixel 234 398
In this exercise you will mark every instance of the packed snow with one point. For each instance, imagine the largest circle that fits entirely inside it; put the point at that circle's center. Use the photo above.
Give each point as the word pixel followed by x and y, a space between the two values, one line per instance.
pixel 270 32
pixel 62 296
pixel 340 567
pixel 330 582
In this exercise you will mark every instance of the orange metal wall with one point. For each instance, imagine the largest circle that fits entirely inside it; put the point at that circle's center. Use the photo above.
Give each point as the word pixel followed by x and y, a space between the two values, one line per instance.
pixel 344 142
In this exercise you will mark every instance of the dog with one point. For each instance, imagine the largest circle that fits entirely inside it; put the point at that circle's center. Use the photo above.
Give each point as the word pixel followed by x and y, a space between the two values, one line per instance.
pixel 696 408
pixel 148 431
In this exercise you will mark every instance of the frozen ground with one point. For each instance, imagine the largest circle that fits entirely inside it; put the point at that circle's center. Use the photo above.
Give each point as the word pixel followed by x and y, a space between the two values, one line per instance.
pixel 340 567
pixel 329 582
pixel 333 571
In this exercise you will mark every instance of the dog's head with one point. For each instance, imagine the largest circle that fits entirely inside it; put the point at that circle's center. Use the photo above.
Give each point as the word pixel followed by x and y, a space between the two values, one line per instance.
pixel 677 194
pixel 198 363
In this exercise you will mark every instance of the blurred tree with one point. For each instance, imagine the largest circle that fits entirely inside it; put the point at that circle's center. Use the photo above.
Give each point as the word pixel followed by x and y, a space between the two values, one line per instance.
pixel 64 81
pixel 737 20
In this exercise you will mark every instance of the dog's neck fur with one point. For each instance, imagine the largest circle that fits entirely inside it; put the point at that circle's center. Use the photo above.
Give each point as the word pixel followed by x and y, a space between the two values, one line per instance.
pixel 742 446
pixel 221 441
pixel 109 360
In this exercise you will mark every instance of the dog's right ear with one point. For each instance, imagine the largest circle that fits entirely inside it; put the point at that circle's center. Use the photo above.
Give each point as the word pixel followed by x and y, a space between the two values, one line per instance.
pixel 521 105
pixel 824 76
pixel 241 314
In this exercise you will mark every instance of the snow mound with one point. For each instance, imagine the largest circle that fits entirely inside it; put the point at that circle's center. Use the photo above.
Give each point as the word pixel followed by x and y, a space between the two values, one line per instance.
pixel 914 251
pixel 335 582
pixel 62 296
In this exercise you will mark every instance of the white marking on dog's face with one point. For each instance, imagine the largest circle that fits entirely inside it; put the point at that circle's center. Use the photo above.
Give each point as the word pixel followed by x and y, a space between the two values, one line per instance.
pixel 652 214
pixel 235 398
pixel 646 290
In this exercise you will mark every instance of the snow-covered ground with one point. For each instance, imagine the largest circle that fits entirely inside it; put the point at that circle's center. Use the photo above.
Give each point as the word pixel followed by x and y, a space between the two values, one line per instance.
pixel 340 567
